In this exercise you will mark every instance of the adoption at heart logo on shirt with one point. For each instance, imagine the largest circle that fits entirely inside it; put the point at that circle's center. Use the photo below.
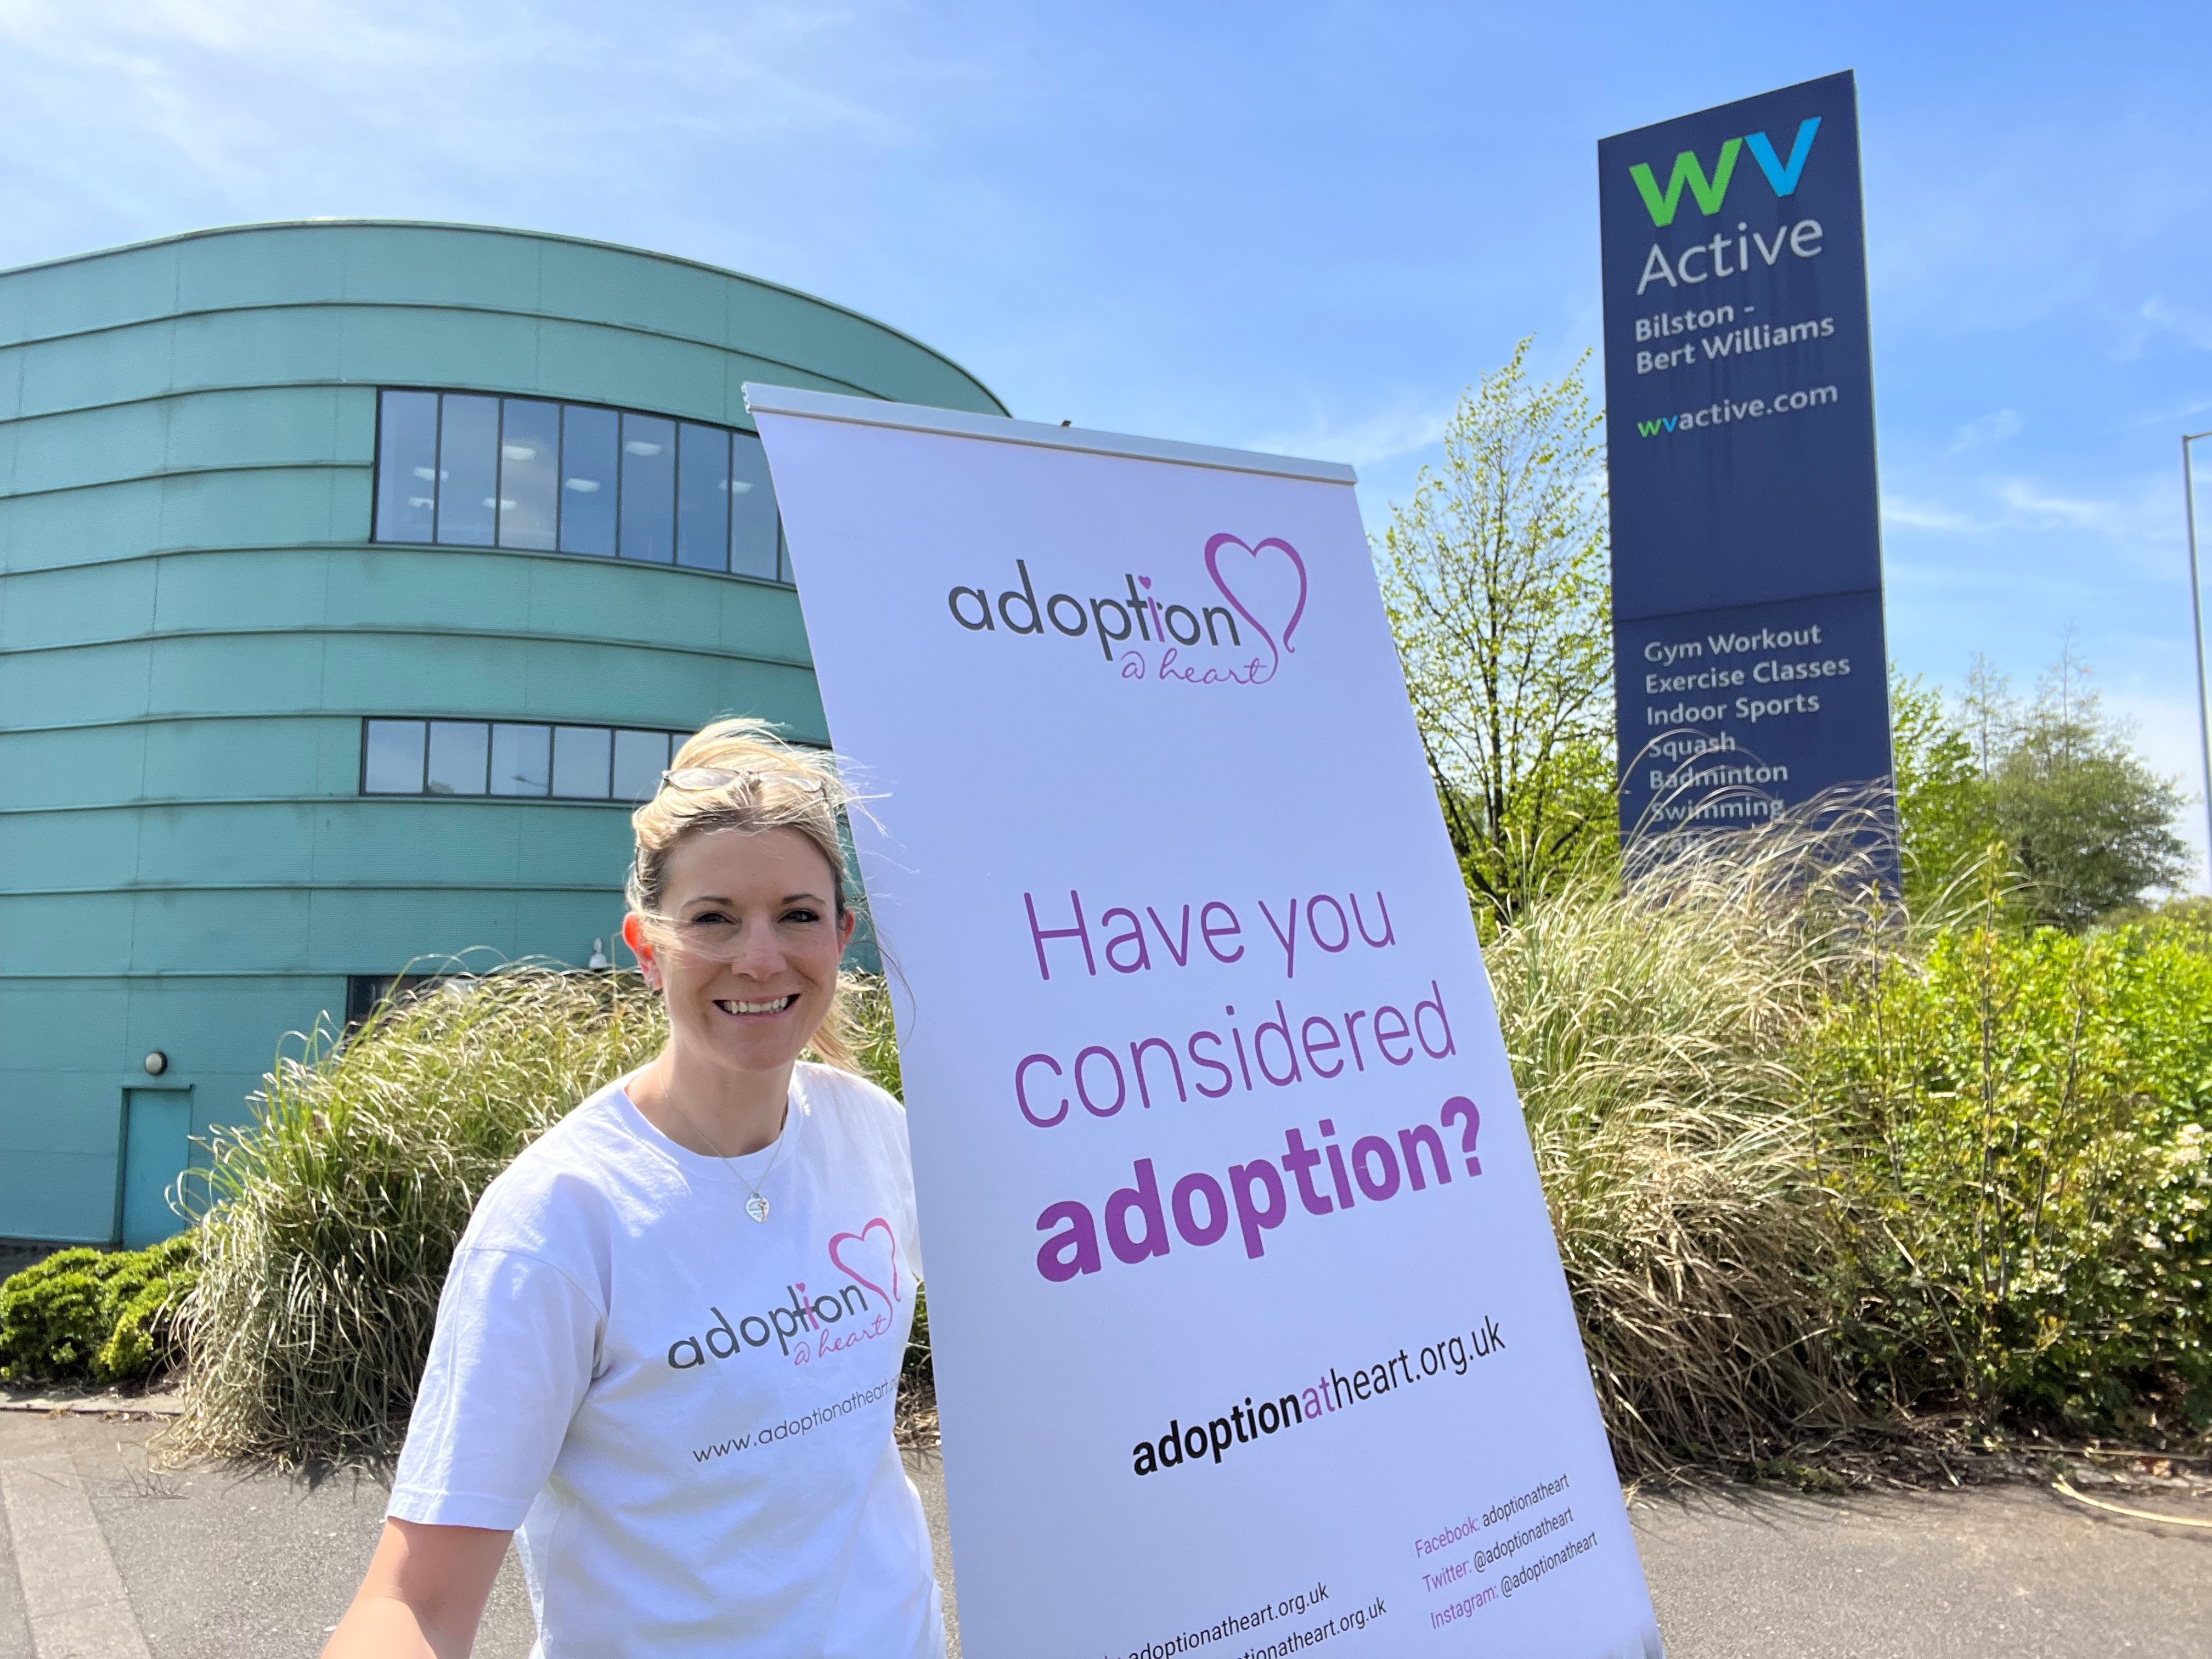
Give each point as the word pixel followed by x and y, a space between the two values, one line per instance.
pixel 811 1323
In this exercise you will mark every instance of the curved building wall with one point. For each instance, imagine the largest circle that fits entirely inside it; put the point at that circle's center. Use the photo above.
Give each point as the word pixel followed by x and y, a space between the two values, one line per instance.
pixel 195 623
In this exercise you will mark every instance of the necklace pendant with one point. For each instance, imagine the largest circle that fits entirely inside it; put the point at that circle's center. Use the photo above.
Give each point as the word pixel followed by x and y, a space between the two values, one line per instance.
pixel 756 1207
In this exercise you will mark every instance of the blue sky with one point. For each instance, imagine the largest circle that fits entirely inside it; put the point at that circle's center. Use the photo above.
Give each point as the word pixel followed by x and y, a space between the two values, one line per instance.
pixel 1284 226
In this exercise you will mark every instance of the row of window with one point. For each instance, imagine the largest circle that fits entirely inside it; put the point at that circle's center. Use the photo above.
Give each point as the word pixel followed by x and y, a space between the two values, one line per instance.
pixel 468 470
pixel 516 758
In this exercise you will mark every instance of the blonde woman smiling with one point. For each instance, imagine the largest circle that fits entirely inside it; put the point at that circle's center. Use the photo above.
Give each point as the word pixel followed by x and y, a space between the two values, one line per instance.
pixel 669 1344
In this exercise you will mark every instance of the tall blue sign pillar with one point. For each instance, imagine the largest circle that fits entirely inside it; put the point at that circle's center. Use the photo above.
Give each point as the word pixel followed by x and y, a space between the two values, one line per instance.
pixel 1749 668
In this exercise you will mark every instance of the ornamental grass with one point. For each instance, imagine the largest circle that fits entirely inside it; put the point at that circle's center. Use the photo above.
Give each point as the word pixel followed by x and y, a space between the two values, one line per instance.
pixel 1653 1026
pixel 326 1225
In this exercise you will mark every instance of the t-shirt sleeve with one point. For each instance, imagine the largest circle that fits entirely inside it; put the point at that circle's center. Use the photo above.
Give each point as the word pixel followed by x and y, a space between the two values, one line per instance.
pixel 516 1343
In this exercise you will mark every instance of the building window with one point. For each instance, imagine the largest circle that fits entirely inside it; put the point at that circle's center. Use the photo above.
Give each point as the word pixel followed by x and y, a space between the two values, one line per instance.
pixel 521 759
pixel 364 991
pixel 462 469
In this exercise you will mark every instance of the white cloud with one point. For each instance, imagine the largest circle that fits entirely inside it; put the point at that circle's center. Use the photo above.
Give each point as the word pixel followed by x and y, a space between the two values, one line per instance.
pixel 1993 427
pixel 2067 539
pixel 555 115
pixel 1368 441
pixel 2031 502
pixel 1927 515
pixel 2191 325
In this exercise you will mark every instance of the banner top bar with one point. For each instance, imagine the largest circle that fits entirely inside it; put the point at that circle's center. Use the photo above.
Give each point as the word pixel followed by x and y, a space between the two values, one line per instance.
pixel 916 418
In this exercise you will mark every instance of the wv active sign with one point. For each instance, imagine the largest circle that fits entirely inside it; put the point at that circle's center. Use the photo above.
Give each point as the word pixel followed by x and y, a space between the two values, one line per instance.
pixel 1749 662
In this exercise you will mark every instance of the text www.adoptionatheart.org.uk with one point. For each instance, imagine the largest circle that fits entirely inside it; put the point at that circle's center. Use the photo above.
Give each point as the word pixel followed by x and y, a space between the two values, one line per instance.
pixel 792 1427
pixel 1265 1615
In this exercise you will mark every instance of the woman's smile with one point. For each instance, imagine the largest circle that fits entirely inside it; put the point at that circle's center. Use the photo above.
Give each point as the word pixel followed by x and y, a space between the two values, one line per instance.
pixel 740 1008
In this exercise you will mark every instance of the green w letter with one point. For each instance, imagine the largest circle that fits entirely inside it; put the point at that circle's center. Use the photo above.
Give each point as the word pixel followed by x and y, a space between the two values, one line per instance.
pixel 1710 195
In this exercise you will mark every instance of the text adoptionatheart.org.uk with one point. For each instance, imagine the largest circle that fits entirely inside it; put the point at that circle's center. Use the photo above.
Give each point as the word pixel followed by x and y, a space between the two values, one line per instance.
pixel 1206 1441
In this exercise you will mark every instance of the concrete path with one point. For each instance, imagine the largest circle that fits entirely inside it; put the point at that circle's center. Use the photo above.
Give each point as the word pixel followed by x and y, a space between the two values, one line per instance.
pixel 103 1557
pixel 2009 1572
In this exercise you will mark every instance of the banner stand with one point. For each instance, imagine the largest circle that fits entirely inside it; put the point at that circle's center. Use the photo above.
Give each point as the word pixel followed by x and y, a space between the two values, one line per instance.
pixel 1251 1332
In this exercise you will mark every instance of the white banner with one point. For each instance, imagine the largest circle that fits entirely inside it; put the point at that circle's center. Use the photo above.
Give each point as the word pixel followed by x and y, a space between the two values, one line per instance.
pixel 1250 1332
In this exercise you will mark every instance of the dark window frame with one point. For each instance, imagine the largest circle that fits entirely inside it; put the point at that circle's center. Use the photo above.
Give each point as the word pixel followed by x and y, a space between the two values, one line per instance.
pixel 361 783
pixel 365 991
pixel 549 798
pixel 782 578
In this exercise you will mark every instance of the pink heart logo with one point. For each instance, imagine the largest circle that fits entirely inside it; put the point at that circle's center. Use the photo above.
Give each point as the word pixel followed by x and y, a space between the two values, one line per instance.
pixel 1272 544
pixel 890 1239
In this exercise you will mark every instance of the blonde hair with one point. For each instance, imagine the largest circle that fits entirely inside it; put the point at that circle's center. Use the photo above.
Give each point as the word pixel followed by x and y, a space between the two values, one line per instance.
pixel 774 784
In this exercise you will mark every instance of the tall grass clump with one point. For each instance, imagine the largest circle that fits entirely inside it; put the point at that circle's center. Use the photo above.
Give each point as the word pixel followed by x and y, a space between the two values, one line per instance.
pixel 327 1224
pixel 1654 1024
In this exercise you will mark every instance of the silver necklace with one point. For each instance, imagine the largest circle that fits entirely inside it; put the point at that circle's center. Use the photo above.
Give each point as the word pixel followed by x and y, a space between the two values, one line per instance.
pixel 755 1201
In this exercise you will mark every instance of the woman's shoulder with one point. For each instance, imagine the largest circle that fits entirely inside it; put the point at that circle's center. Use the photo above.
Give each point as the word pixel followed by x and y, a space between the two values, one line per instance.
pixel 854 1106
pixel 848 1093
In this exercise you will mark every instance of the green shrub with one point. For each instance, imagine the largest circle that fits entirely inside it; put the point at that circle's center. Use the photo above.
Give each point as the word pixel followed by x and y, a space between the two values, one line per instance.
pixel 105 1315
pixel 2021 1152
pixel 328 1222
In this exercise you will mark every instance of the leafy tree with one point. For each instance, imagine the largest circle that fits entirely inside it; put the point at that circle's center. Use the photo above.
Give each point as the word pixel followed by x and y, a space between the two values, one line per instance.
pixel 1989 714
pixel 1946 809
pixel 1495 578
pixel 2089 823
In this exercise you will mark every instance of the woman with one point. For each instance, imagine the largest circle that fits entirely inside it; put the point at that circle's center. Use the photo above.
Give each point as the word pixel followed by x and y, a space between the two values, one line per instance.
pixel 669 1341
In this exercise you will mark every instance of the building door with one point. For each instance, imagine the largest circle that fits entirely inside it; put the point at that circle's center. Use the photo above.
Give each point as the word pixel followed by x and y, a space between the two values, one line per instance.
pixel 157 1146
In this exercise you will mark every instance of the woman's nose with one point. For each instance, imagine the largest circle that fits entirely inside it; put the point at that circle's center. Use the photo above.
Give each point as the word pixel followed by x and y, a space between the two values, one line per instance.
pixel 758 953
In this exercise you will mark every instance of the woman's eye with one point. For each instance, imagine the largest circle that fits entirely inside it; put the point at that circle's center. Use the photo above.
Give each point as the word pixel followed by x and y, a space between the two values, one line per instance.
pixel 802 916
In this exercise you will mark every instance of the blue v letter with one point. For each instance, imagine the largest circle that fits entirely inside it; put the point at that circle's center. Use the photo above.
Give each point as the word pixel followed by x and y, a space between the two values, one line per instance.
pixel 1784 178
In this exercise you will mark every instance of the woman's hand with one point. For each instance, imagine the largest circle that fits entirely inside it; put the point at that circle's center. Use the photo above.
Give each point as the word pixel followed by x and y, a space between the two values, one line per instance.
pixel 423 1593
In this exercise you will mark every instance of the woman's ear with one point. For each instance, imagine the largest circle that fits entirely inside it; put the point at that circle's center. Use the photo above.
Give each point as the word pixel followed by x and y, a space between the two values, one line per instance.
pixel 845 926
pixel 641 946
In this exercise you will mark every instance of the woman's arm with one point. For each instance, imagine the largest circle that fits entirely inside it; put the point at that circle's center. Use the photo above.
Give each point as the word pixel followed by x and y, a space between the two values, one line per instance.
pixel 423 1595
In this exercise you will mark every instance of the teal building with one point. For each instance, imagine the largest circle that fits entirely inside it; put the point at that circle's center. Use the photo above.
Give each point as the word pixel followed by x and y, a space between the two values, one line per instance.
pixel 354 577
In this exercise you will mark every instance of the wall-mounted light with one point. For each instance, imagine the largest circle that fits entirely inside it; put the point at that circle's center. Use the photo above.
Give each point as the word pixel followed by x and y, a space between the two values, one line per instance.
pixel 156 1063
pixel 598 960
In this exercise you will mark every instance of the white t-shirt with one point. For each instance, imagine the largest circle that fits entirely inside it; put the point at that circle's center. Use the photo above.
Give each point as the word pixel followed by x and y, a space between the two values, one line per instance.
pixel 688 1413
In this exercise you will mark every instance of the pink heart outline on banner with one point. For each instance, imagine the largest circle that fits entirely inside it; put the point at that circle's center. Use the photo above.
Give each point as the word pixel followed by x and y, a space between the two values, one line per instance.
pixel 1213 546
pixel 859 1237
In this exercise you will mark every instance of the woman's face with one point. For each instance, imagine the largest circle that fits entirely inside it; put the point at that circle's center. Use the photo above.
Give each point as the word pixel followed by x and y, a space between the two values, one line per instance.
pixel 751 971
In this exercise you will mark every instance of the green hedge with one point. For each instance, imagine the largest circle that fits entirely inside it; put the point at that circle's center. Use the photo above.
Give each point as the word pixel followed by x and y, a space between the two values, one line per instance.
pixel 104 1314
pixel 2020 1140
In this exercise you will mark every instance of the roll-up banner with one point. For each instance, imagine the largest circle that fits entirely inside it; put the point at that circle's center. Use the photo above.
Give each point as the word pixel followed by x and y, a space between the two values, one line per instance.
pixel 1250 1332
pixel 1749 668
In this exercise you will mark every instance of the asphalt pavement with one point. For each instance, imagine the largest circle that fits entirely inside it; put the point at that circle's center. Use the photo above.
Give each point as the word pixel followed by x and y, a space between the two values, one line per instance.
pixel 106 1555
